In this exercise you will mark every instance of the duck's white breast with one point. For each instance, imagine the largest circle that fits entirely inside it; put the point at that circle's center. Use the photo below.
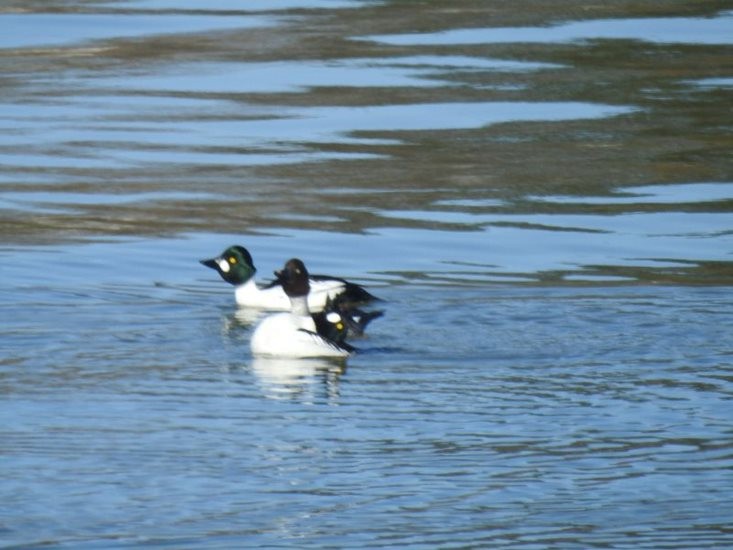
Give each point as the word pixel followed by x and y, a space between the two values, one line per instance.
pixel 287 335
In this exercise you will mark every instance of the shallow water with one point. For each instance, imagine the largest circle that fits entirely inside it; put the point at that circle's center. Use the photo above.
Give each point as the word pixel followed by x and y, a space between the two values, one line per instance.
pixel 540 194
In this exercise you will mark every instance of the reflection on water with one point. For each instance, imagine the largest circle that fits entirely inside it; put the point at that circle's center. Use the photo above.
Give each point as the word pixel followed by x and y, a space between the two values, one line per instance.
pixel 63 29
pixel 30 199
pixel 227 6
pixel 715 82
pixel 690 30
pixel 655 194
pixel 301 379
pixel 294 76
pixel 527 160
pixel 115 133
pixel 209 120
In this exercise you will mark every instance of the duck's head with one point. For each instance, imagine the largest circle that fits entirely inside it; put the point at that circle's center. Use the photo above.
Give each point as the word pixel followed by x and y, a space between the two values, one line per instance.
pixel 234 265
pixel 294 278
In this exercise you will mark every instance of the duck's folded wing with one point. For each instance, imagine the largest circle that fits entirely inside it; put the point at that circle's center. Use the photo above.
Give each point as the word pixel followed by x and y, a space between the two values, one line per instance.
pixel 350 291
pixel 341 347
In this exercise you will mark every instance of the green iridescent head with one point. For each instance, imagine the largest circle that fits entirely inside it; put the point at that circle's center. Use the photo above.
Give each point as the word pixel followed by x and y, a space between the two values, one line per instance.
pixel 235 265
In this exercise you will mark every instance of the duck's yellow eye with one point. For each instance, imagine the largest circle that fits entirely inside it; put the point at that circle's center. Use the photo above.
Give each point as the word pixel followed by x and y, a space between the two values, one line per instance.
pixel 340 326
pixel 232 260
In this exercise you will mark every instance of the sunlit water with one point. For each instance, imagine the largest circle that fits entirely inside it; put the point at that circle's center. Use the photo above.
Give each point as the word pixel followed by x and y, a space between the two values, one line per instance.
pixel 541 198
pixel 474 415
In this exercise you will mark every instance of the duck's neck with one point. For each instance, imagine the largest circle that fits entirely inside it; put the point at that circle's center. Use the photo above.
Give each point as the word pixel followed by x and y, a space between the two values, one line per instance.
pixel 299 306
pixel 249 286
pixel 246 292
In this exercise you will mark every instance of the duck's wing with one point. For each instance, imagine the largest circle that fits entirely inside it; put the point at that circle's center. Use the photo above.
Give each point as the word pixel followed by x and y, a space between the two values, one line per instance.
pixel 351 291
pixel 357 320
pixel 341 348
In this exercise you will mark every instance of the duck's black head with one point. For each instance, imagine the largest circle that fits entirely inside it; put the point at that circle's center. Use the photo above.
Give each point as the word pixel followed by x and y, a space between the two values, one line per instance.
pixel 235 265
pixel 294 278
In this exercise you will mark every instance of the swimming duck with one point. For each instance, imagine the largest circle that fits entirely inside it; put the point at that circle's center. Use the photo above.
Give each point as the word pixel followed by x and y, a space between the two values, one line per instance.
pixel 236 267
pixel 340 319
pixel 296 334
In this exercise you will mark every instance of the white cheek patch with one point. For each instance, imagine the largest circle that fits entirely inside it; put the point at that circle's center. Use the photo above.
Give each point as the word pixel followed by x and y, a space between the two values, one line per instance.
pixel 333 317
pixel 223 265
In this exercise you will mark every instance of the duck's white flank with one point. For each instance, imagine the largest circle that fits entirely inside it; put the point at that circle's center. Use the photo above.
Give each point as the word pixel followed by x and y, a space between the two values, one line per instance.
pixel 250 295
pixel 275 299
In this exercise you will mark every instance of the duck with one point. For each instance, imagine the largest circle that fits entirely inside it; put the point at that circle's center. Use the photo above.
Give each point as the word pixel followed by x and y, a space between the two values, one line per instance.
pixel 341 319
pixel 296 334
pixel 236 267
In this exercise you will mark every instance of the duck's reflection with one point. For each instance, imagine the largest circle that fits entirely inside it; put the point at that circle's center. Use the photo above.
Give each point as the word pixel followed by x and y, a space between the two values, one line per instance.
pixel 308 380
pixel 236 325
pixel 244 317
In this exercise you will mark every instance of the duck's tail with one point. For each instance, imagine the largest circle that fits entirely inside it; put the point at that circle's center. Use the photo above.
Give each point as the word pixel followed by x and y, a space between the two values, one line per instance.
pixel 352 317
pixel 357 320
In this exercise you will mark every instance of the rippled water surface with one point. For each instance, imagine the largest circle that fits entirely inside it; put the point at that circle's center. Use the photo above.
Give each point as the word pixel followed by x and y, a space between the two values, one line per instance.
pixel 540 193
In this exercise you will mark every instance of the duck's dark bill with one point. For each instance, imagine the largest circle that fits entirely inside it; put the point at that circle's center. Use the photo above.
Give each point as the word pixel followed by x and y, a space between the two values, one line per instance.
pixel 212 263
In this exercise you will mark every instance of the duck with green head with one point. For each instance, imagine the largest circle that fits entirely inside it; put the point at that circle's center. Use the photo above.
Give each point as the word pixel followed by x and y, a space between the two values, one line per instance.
pixel 236 267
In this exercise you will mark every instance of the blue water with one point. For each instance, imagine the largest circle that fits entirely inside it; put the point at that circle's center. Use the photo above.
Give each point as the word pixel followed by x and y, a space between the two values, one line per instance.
pixel 53 29
pixel 473 415
pixel 670 30
pixel 477 412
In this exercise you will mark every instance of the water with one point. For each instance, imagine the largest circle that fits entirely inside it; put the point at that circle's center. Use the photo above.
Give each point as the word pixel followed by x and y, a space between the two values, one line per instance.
pixel 668 30
pixel 541 195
